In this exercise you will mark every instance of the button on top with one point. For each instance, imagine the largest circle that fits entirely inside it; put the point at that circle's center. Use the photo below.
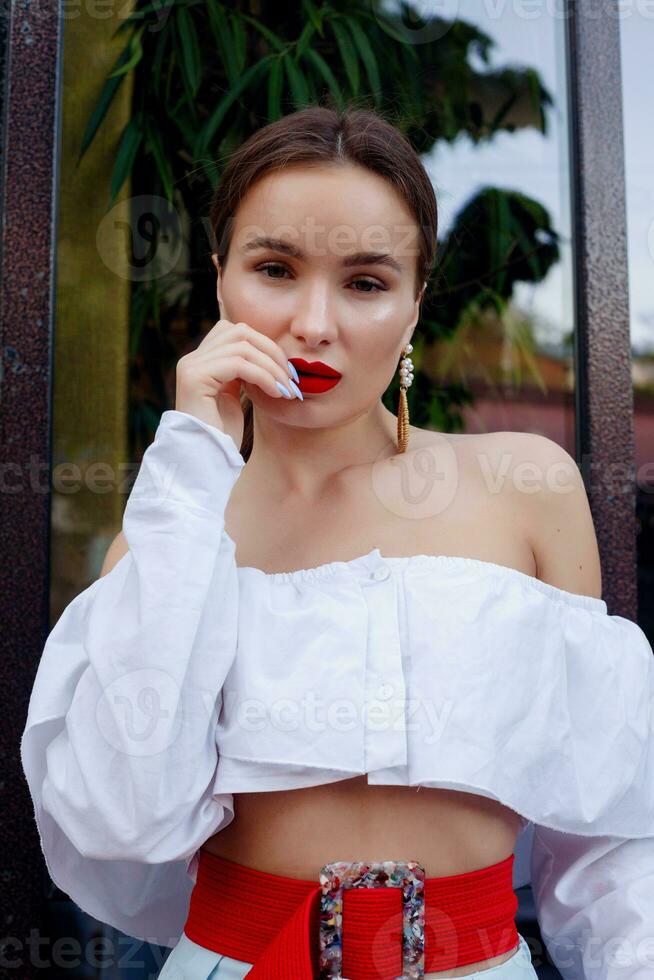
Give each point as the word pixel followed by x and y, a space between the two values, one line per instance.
pixel 381 573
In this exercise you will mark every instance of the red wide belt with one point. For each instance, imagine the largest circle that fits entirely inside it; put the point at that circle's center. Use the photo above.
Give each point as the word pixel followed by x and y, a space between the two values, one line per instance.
pixel 274 922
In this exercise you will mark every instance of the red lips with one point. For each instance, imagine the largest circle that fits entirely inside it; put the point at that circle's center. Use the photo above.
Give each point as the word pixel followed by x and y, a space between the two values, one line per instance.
pixel 315 376
pixel 314 367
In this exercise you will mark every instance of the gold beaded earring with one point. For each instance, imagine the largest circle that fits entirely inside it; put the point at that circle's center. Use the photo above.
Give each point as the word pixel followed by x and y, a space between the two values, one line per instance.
pixel 406 377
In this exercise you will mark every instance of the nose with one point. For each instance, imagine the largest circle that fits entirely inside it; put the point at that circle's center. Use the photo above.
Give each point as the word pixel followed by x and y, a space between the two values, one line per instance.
pixel 313 320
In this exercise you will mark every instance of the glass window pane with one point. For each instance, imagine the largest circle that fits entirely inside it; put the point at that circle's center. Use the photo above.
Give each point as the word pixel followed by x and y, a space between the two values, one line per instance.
pixel 637 42
pixel 503 192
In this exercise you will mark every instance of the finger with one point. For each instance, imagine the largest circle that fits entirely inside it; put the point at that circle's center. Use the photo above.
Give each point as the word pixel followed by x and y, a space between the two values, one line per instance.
pixel 228 332
pixel 243 348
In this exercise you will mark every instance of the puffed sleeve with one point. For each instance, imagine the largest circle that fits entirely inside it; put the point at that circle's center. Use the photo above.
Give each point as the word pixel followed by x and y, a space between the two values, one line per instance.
pixel 594 891
pixel 594 898
pixel 119 748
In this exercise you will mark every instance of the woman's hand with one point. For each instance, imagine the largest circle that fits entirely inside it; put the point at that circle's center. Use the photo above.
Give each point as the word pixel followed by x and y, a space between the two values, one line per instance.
pixel 209 378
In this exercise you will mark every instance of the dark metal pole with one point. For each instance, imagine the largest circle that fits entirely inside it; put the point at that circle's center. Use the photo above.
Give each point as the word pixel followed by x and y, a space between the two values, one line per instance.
pixel 31 65
pixel 604 390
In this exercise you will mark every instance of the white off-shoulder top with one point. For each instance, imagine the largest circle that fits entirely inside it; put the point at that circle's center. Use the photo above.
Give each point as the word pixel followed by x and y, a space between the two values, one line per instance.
pixel 179 679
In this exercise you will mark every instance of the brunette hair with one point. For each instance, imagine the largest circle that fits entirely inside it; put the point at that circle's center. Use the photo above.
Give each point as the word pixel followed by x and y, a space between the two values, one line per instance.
pixel 319 134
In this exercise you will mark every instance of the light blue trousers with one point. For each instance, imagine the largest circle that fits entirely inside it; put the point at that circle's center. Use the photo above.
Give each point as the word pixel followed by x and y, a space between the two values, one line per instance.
pixel 188 961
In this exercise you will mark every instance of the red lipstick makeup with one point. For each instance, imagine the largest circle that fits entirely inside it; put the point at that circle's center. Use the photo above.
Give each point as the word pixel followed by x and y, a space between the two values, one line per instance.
pixel 315 376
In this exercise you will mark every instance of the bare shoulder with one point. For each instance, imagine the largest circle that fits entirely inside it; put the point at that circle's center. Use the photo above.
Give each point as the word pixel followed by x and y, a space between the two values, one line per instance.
pixel 547 490
pixel 115 552
pixel 502 459
pixel 539 485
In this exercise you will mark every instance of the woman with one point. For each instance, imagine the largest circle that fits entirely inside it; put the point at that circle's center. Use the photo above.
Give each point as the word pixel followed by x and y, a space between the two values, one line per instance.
pixel 351 641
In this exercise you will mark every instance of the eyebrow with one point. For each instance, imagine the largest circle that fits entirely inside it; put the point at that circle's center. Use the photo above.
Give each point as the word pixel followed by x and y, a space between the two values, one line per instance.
pixel 287 248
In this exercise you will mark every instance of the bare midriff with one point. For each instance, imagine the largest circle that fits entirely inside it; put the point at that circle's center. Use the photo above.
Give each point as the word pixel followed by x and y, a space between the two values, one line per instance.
pixel 295 832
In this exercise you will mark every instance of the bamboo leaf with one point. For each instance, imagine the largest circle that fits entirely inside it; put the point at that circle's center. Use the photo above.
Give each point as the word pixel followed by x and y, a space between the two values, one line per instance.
pixel 367 57
pixel 157 61
pixel 323 68
pixel 191 60
pixel 240 49
pixel 304 38
pixel 348 55
pixel 297 83
pixel 389 26
pixel 273 39
pixel 109 89
pixel 275 84
pixel 314 15
pixel 136 53
pixel 223 37
pixel 154 144
pixel 136 15
pixel 127 148
pixel 210 127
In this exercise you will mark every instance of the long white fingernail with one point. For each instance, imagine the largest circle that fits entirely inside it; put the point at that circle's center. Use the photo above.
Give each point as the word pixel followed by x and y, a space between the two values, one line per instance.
pixel 297 391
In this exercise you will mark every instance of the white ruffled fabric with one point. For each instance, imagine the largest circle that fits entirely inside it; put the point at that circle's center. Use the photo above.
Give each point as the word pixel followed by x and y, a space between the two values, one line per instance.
pixel 179 679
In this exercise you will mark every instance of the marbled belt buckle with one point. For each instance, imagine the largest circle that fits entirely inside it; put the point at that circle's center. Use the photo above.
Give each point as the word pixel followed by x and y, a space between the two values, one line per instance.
pixel 407 875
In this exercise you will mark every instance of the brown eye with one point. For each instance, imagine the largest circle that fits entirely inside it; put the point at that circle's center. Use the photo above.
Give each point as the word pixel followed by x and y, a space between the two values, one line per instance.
pixel 271 265
pixel 374 287
pixel 368 282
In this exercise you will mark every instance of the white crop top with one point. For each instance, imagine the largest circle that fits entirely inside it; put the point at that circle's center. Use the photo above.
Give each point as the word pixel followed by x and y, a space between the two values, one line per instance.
pixel 179 679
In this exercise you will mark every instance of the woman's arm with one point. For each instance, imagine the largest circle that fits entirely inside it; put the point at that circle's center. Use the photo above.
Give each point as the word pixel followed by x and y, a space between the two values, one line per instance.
pixel 594 898
pixel 115 552
pixel 594 895
pixel 119 746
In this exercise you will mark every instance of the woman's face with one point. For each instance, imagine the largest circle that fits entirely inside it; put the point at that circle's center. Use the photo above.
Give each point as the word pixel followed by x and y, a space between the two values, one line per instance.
pixel 311 295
